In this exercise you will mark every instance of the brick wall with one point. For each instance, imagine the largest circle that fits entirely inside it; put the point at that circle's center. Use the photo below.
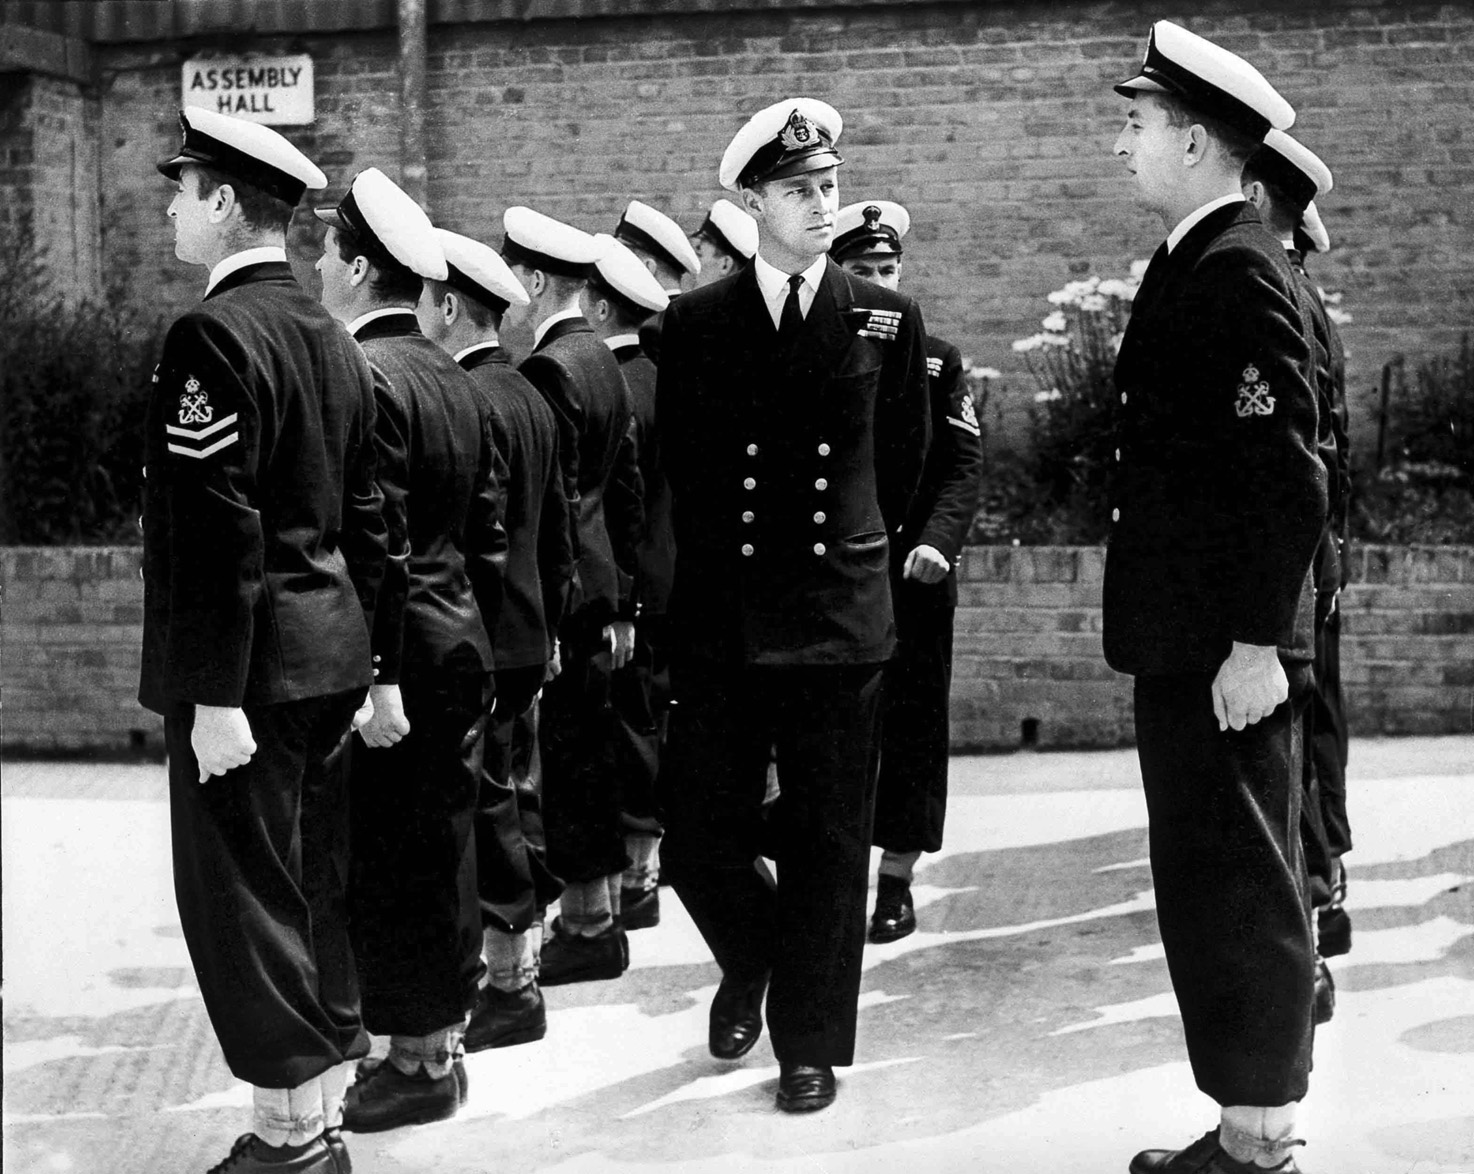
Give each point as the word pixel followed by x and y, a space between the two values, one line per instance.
pixel 1027 649
pixel 993 122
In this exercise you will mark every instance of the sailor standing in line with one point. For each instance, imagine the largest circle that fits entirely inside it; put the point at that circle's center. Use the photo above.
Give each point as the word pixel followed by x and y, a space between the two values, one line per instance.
pixel 621 295
pixel 911 794
pixel 1283 179
pixel 793 409
pixel 263 548
pixel 416 777
pixel 725 243
pixel 1219 502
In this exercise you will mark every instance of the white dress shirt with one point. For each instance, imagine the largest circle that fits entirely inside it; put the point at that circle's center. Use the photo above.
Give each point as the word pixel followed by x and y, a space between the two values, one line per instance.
pixel 615 341
pixel 1185 225
pixel 774 284
pixel 490 345
pixel 240 260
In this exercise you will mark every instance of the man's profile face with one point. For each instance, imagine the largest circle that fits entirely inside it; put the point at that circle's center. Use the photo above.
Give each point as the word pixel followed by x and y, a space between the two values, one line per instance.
pixel 1153 151
pixel 881 268
pixel 335 272
pixel 798 212
pixel 716 263
pixel 190 213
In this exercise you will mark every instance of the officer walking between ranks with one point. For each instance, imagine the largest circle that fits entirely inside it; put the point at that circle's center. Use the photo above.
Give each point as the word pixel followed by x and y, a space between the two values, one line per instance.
pixel 263 546
pixel 792 401
pixel 580 380
pixel 622 293
pixel 1219 504
pixel 725 243
pixel 911 796
pixel 1283 179
pixel 463 314
pixel 415 779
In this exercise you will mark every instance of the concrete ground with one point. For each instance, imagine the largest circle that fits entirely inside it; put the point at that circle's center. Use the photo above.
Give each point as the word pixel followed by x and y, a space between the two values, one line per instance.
pixel 1029 1026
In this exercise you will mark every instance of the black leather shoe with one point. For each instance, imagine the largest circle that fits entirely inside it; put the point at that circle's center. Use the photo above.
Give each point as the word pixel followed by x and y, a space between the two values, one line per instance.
pixel 342 1163
pixel 895 916
pixel 803 1088
pixel 251 1155
pixel 736 1017
pixel 1325 992
pixel 1204 1156
pixel 570 958
pixel 388 1099
pixel 639 908
pixel 503 1019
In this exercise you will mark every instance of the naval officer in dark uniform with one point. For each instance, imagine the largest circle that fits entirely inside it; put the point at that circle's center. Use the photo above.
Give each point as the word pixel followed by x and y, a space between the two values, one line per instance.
pixel 1218 505
pixel 1283 179
pixel 417 773
pixel 911 797
pixel 463 314
pixel 792 406
pixel 263 547
pixel 582 383
pixel 622 294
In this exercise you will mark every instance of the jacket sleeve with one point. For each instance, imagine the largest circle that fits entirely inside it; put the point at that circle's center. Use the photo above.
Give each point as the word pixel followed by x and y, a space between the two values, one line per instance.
pixel 552 381
pixel 555 549
pixel 624 514
pixel 365 538
pixel 486 537
pixel 954 463
pixel 391 447
pixel 1264 467
pixel 202 514
pixel 902 423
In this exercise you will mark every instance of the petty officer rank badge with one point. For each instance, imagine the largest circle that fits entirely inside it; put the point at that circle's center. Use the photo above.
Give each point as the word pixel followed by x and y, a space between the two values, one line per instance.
pixel 967 416
pixel 882 324
pixel 1254 398
pixel 198 434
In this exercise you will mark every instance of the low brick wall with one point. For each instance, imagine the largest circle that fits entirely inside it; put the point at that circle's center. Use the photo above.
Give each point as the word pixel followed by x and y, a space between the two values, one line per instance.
pixel 1028 663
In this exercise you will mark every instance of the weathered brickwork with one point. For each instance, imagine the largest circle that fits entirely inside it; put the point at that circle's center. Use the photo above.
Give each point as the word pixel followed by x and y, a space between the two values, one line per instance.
pixel 993 122
pixel 1028 663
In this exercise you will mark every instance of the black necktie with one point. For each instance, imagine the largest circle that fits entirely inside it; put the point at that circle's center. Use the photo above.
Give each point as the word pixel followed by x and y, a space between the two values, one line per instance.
pixel 792 317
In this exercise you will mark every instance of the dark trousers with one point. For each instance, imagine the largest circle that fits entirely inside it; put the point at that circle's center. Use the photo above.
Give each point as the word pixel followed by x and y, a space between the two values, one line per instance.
pixel 260 869
pixel 415 916
pixel 1232 905
pixel 512 878
pixel 810 932
pixel 581 799
pixel 1326 831
pixel 639 696
pixel 911 799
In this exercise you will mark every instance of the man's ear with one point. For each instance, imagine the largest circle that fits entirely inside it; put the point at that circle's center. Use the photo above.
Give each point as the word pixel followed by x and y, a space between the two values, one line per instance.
pixel 752 200
pixel 358 271
pixel 450 308
pixel 1256 194
pixel 222 202
pixel 1196 148
pixel 537 283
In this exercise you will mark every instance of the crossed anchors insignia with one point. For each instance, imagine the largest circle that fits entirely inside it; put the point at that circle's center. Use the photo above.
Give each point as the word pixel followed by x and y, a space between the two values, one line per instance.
pixel 969 412
pixel 194 404
pixel 1254 398
pixel 797 133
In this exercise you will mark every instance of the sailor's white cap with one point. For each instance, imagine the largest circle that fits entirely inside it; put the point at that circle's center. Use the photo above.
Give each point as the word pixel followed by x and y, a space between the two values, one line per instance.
pixel 479 272
pixel 388 223
pixel 648 228
pixel 869 227
pixel 246 150
pixel 620 272
pixel 540 242
pixel 786 138
pixel 731 229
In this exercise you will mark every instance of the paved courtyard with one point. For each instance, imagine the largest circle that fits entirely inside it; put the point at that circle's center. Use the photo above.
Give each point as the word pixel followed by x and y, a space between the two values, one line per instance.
pixel 1029 1026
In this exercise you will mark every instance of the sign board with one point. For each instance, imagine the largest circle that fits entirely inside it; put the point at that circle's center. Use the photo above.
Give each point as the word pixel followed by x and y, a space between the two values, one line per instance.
pixel 264 87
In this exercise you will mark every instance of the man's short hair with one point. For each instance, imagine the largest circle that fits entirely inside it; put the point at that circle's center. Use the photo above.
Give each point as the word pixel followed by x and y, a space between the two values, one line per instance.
pixel 1181 114
pixel 260 211
pixel 390 281
pixel 1283 216
pixel 478 313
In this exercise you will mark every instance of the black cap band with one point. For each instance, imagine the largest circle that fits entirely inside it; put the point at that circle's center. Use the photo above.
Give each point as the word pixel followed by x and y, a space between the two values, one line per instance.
pixel 458 280
pixel 208 151
pixel 632 235
pixel 603 289
pixel 352 218
pixel 516 254
pixel 866 239
pixel 1273 168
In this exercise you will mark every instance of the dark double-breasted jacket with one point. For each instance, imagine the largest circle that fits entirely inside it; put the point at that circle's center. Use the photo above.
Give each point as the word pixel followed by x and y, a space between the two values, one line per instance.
pixel 263 537
pixel 657 548
pixel 441 475
pixel 536 518
pixel 1219 497
pixel 580 379
pixel 791 472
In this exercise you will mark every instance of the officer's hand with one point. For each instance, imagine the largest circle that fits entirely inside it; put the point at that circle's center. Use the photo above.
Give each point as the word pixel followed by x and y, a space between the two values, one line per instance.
pixel 221 739
pixel 926 564
pixel 621 637
pixel 555 663
pixel 1250 685
pixel 388 723
pixel 364 711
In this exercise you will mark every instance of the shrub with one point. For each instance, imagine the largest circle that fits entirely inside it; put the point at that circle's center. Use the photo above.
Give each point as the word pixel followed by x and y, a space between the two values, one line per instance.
pixel 74 382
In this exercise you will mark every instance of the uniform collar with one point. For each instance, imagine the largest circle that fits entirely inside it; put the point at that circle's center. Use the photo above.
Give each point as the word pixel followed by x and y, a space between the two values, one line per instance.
pixel 236 261
pixel 552 320
pixel 475 350
pixel 615 341
pixel 1192 219
pixel 364 320
pixel 774 282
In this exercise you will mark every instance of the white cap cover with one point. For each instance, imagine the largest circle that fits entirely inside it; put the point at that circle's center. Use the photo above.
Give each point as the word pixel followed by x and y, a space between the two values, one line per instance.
pixel 382 215
pixel 478 271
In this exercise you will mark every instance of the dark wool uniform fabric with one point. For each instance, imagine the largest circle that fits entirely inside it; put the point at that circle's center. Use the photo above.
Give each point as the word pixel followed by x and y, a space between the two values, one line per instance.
pixel 911 797
pixel 513 875
pixel 416 918
pixel 580 379
pixel 789 471
pixel 1219 502
pixel 263 550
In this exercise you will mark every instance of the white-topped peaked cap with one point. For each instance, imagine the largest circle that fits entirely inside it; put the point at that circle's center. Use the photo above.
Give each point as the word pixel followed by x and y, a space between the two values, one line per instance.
pixel 649 228
pixel 622 273
pixel 389 224
pixel 248 151
pixel 786 138
pixel 731 229
pixel 479 272
pixel 1314 229
pixel 1210 79
pixel 868 228
pixel 1291 166
pixel 540 242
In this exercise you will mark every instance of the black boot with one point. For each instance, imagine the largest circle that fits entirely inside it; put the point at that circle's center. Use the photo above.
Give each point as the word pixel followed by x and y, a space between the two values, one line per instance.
pixel 895 916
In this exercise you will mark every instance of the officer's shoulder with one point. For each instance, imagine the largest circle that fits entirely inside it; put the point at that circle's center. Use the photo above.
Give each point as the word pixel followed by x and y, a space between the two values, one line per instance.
pixel 870 296
pixel 940 348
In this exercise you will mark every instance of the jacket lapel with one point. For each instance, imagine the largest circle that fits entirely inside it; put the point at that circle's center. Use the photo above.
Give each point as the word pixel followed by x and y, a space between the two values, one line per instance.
pixel 828 330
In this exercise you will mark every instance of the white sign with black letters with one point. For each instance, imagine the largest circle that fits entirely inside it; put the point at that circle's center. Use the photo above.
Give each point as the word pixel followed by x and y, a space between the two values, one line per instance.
pixel 272 88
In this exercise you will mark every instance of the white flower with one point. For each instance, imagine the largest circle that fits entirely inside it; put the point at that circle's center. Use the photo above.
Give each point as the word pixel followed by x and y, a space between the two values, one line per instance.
pixel 1339 317
pixel 1093 303
pixel 1116 342
pixel 985 373
pixel 1048 397
pixel 1114 287
pixel 1032 343
pixel 1054 340
pixel 1138 270
pixel 1062 297
pixel 1055 322
pixel 1330 299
